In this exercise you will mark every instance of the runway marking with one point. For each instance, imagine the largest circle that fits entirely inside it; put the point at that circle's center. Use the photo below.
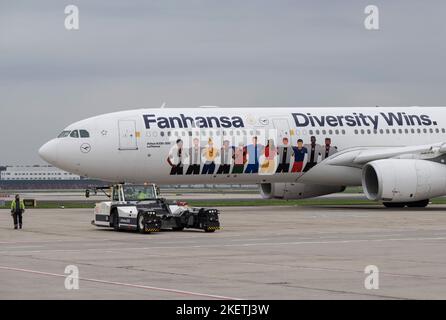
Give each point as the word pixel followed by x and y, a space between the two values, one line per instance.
pixel 230 245
pixel 48 241
pixel 191 293
pixel 235 240
pixel 331 242
pixel 22 247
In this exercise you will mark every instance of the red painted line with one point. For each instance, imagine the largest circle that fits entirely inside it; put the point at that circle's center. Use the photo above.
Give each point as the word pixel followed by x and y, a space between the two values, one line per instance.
pixel 203 295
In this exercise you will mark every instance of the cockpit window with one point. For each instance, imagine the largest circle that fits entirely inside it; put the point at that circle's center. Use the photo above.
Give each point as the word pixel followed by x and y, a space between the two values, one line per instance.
pixel 84 134
pixel 64 134
pixel 74 134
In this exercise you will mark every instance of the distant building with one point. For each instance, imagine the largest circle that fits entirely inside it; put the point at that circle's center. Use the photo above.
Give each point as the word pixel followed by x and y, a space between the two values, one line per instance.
pixel 49 177
pixel 22 173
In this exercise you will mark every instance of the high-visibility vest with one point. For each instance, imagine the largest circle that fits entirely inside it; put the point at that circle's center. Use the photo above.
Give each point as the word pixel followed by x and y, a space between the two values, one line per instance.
pixel 22 205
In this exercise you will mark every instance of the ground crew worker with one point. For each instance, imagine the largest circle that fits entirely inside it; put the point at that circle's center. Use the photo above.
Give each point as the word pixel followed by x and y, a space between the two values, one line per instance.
pixel 17 209
pixel 142 195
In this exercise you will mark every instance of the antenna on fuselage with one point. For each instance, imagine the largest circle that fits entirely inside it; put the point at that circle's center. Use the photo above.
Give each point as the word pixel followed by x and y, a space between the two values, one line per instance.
pixel 163 105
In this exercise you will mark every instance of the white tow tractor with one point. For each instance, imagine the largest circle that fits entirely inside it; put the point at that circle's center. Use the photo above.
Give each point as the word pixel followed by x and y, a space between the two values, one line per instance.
pixel 139 207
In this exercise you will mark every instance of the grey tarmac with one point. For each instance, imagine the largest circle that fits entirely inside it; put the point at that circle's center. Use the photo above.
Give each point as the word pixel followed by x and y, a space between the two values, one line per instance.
pixel 287 252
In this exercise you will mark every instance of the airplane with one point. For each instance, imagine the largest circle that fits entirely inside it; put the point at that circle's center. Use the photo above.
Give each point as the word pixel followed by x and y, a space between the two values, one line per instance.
pixel 397 154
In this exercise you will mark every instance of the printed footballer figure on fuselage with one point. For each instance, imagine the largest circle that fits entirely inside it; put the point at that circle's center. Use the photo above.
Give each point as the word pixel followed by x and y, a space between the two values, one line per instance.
pixel 253 158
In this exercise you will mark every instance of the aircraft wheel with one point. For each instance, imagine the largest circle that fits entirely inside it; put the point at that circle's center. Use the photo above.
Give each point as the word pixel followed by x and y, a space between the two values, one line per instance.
pixel 394 204
pixel 418 204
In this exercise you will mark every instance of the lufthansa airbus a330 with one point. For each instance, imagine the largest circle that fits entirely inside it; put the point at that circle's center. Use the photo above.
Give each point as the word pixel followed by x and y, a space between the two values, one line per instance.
pixel 397 154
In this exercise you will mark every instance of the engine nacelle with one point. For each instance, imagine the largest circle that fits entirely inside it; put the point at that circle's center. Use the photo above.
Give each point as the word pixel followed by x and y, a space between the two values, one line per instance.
pixel 403 180
pixel 295 190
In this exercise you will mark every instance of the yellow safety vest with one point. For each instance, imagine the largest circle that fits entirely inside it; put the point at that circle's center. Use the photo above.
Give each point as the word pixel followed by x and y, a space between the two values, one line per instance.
pixel 22 205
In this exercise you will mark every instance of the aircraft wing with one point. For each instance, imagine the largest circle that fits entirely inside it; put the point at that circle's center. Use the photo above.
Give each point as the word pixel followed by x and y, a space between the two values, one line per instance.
pixel 357 157
pixel 345 166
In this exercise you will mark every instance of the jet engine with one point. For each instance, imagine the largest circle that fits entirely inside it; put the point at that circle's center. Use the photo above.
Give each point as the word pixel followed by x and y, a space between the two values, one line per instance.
pixel 295 190
pixel 403 180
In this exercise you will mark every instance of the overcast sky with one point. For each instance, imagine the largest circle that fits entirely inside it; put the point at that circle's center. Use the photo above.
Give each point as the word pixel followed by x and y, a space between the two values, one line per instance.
pixel 133 54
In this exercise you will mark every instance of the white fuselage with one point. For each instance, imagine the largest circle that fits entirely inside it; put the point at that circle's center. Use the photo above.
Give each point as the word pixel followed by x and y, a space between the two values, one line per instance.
pixel 141 145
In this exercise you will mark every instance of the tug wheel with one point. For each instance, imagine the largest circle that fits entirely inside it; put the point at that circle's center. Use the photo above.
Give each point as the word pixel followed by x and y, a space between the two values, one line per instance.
pixel 141 225
pixel 114 220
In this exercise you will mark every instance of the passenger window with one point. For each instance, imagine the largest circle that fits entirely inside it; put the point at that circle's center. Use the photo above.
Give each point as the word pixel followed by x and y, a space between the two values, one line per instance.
pixel 74 134
pixel 84 134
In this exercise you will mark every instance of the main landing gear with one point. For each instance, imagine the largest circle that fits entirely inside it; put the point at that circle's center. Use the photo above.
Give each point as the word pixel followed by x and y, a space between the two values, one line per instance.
pixel 415 204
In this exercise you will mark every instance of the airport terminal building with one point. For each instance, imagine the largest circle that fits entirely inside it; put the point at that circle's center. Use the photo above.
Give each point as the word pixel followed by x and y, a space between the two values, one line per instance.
pixel 49 177
pixel 41 177
pixel 36 173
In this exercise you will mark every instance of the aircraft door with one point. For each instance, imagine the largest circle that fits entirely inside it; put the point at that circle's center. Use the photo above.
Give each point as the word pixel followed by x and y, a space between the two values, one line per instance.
pixel 127 135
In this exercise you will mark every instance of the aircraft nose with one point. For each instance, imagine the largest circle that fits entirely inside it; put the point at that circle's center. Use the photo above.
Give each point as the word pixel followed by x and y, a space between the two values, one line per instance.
pixel 48 152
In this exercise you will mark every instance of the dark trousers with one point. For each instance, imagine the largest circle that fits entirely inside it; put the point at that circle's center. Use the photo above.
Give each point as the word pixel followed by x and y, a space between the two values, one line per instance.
pixel 224 169
pixel 176 170
pixel 17 216
pixel 193 169
pixel 283 167
pixel 238 168
pixel 252 168
pixel 208 168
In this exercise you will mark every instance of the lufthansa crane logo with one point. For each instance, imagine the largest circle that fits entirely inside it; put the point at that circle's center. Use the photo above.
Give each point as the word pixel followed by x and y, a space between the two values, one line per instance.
pixel 85 148
pixel 263 121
